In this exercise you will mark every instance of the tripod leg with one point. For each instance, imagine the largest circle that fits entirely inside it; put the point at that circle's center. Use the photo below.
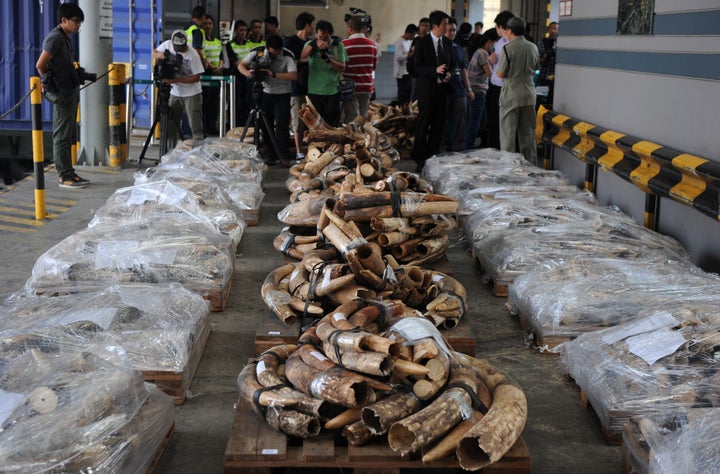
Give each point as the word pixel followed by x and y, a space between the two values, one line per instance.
pixel 149 137
pixel 280 156
pixel 250 118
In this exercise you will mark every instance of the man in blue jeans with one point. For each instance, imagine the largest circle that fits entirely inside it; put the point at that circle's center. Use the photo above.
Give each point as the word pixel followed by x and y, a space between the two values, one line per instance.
pixel 61 85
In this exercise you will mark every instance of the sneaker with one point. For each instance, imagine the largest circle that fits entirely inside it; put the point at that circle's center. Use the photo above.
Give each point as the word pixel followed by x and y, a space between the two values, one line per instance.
pixel 71 183
pixel 80 180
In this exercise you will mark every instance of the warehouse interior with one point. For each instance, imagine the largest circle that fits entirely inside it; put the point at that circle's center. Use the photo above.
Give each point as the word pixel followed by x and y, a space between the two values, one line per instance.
pixel 656 89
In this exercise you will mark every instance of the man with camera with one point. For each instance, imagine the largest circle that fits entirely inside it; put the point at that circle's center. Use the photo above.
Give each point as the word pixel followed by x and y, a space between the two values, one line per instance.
pixel 61 81
pixel 181 70
pixel 326 58
pixel 273 69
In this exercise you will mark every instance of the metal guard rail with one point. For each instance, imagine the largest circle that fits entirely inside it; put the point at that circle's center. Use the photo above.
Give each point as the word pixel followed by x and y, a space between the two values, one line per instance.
pixel 656 169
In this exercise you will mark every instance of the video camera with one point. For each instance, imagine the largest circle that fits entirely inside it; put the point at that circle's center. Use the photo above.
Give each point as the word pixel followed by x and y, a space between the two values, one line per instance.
pixel 260 66
pixel 84 76
pixel 365 19
pixel 168 67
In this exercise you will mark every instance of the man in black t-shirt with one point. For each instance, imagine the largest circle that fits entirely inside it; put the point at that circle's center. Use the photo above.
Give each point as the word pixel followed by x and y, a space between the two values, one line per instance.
pixel 61 85
pixel 304 25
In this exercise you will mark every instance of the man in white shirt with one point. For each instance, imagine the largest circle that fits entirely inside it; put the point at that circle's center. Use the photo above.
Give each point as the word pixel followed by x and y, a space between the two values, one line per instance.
pixel 400 58
pixel 185 88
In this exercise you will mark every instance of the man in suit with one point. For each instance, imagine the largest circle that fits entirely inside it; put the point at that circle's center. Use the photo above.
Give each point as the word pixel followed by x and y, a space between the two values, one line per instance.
pixel 434 62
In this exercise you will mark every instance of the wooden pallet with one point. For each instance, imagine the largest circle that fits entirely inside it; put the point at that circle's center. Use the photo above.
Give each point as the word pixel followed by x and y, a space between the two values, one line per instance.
pixel 175 383
pixel 218 297
pixel 250 216
pixel 255 447
pixel 612 436
pixel 635 451
pixel 499 287
pixel 546 343
pixel 272 332
pixel 161 450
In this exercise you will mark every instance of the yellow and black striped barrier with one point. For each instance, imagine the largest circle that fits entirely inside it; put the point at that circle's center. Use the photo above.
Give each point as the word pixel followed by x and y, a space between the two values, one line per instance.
pixel 38 149
pixel 658 170
pixel 116 115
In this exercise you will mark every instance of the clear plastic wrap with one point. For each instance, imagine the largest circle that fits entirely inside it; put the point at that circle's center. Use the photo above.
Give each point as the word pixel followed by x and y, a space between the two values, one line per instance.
pixel 507 254
pixel 158 252
pixel 683 442
pixel 157 325
pixel 63 404
pixel 584 295
pixel 462 162
pixel 659 364
pixel 485 197
pixel 204 202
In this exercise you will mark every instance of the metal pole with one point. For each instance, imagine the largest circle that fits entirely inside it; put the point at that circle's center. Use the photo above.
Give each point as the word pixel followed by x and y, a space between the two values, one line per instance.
pixel 38 149
pixel 223 88
pixel 233 85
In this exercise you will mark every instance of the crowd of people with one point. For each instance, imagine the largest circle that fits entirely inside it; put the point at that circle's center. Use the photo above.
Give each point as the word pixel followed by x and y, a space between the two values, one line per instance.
pixel 473 88
pixel 467 94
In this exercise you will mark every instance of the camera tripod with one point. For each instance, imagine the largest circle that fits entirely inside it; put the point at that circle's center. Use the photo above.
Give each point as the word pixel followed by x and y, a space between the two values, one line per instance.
pixel 255 116
pixel 164 118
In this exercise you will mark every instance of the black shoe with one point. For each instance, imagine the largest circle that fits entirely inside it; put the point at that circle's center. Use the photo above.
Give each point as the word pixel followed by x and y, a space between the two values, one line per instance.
pixel 71 183
pixel 80 180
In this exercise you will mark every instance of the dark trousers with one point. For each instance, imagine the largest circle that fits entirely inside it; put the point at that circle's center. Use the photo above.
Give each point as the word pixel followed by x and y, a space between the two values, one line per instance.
pixel 404 89
pixel 429 125
pixel 276 108
pixel 492 105
pixel 211 109
pixel 242 100
pixel 328 106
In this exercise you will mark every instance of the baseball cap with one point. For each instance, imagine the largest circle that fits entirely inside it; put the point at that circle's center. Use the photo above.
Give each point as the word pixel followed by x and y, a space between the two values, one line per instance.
pixel 179 40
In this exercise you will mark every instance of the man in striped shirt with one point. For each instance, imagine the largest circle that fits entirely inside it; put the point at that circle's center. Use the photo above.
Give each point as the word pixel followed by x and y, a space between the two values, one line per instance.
pixel 362 55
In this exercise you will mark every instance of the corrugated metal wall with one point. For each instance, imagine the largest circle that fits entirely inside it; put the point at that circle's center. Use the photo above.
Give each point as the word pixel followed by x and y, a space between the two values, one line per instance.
pixel 25 24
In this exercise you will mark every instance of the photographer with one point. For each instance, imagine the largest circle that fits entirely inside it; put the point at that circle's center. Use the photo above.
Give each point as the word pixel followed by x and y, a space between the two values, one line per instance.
pixel 273 69
pixel 61 85
pixel 185 90
pixel 326 58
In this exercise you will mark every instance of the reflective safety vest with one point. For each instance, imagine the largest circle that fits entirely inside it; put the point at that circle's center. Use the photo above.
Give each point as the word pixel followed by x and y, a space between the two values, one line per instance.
pixel 189 34
pixel 241 50
pixel 213 51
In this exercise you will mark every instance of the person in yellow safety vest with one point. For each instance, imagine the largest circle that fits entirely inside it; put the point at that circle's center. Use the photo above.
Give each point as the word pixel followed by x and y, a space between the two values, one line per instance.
pixel 255 35
pixel 212 48
pixel 237 48
pixel 195 32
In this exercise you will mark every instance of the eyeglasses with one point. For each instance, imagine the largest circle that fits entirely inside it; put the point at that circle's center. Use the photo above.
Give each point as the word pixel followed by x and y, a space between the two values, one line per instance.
pixel 77 21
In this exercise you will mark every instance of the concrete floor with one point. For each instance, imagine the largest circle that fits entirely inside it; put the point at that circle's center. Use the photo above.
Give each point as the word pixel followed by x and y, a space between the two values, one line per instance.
pixel 561 435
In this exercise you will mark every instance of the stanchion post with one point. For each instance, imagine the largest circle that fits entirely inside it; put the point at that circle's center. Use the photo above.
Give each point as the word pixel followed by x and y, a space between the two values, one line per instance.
pixel 38 149
pixel 75 147
pixel 221 108
pixel 116 114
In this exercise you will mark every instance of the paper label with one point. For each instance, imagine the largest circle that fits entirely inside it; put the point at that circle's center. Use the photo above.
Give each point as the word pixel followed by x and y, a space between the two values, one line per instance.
pixel 651 323
pixel 268 451
pixel 655 345
pixel 129 254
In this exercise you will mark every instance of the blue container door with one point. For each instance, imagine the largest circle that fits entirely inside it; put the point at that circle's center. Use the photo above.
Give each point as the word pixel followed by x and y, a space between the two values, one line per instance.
pixel 25 25
pixel 137 28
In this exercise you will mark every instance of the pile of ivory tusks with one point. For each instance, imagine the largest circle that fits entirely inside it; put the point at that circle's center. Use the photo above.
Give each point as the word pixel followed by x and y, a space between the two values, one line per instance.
pixel 348 372
pixel 354 268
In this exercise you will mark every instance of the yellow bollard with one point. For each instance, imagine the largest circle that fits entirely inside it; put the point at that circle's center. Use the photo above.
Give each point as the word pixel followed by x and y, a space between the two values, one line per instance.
pixel 76 147
pixel 116 114
pixel 38 149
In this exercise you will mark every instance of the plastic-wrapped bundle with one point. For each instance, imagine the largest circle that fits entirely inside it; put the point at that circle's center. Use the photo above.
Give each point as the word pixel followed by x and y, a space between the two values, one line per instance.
pixel 508 254
pixel 679 442
pixel 658 364
pixel 157 325
pixel 531 212
pixel 66 407
pixel 484 197
pixel 462 162
pixel 243 194
pixel 164 200
pixel 584 295
pixel 157 252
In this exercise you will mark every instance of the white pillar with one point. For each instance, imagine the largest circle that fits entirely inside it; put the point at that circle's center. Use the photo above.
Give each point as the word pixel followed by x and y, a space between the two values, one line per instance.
pixel 95 55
